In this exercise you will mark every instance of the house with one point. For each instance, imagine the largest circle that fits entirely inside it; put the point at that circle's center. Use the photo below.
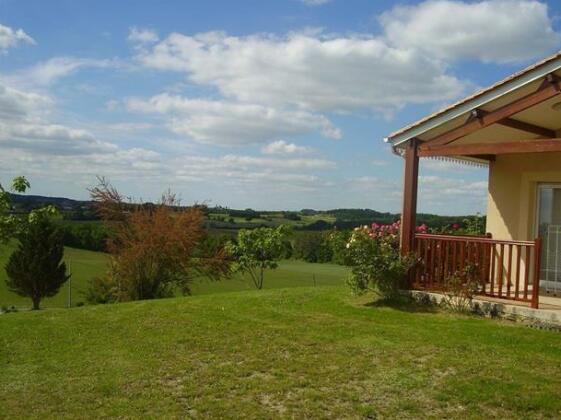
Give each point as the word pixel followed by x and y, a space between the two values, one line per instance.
pixel 514 128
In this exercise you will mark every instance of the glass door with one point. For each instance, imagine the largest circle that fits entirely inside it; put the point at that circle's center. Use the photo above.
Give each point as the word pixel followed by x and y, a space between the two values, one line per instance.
pixel 549 229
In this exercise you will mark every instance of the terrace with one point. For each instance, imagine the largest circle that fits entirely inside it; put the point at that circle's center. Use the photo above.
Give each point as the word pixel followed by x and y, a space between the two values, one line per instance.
pixel 513 128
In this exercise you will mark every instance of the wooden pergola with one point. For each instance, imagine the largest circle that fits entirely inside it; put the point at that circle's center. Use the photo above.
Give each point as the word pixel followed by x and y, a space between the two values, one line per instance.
pixel 448 144
pixel 520 116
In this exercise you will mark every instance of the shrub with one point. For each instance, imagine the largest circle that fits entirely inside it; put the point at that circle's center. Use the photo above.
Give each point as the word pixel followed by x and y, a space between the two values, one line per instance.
pixel 461 288
pixel 313 247
pixel 337 242
pixel 375 260
pixel 287 250
pixel 256 250
pixel 91 236
pixel 102 290
pixel 155 249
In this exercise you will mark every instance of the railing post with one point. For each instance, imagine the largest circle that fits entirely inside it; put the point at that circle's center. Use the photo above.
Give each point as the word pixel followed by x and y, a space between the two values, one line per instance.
pixel 537 269
pixel 409 211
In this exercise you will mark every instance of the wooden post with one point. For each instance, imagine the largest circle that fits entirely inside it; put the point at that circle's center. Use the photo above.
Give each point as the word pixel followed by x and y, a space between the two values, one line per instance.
pixel 410 182
pixel 537 269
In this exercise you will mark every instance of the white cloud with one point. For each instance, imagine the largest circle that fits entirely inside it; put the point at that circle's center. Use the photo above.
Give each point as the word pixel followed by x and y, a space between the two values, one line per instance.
pixel 129 126
pixel 490 30
pixel 320 73
pixel 48 72
pixel 24 126
pixel 238 171
pixel 444 194
pixel 17 104
pixel 142 35
pixel 243 162
pixel 112 105
pixel 281 147
pixel 231 123
pixel 10 38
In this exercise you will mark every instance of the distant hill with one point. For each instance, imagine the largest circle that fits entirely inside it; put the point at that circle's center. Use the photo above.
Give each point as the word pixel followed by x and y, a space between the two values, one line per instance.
pixel 39 200
pixel 225 218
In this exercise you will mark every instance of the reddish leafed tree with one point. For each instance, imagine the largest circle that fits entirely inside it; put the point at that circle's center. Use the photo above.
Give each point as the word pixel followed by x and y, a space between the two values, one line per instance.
pixel 155 248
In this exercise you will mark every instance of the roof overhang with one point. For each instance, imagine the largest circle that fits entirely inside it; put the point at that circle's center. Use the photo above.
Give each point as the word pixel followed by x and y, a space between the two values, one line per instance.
pixel 510 90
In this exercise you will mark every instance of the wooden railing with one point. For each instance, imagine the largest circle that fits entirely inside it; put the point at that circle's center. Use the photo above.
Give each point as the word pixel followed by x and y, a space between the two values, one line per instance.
pixel 506 269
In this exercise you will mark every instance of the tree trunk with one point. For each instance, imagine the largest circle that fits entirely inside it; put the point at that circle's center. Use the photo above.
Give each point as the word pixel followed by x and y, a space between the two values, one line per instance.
pixel 36 300
pixel 261 278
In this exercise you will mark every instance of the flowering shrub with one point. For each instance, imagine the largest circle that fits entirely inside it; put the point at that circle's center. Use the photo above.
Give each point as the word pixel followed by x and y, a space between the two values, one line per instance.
pixel 461 288
pixel 373 254
pixel 471 226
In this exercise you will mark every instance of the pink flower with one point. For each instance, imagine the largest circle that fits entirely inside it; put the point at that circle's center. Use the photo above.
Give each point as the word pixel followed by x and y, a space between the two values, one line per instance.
pixel 422 229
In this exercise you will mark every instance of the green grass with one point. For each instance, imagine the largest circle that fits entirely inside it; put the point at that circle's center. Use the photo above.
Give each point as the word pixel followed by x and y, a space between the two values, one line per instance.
pixel 292 353
pixel 290 273
pixel 85 265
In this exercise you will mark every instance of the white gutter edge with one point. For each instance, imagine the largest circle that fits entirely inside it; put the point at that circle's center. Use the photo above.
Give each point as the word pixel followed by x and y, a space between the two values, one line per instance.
pixel 485 98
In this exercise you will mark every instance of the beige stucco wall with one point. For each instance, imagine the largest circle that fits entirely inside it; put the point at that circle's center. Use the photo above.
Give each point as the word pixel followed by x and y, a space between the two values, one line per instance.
pixel 513 181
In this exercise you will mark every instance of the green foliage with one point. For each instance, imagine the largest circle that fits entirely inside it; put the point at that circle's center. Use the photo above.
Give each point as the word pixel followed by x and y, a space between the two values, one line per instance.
pixel 474 225
pixel 256 250
pixel 287 251
pixel 376 264
pixel 102 290
pixel 247 214
pixel 291 215
pixel 337 241
pixel 313 247
pixel 35 269
pixel 91 236
pixel 461 288
pixel 20 184
pixel 12 224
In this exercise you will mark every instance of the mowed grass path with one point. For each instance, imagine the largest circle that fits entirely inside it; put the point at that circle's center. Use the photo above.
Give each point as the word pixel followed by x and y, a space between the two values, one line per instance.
pixel 84 265
pixel 288 353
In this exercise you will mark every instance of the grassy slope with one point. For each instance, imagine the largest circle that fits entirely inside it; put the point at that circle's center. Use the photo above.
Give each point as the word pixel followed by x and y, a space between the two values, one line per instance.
pixel 87 264
pixel 300 353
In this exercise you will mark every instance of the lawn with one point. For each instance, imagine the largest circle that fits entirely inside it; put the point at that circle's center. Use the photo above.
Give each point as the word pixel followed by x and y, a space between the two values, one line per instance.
pixel 85 265
pixel 307 352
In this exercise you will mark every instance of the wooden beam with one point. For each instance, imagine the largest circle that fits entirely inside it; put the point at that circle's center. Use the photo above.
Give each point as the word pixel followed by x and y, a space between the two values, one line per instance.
pixel 529 128
pixel 410 184
pixel 518 125
pixel 494 148
pixel 548 90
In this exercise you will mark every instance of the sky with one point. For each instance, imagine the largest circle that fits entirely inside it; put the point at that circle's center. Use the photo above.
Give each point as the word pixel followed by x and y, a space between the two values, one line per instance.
pixel 278 104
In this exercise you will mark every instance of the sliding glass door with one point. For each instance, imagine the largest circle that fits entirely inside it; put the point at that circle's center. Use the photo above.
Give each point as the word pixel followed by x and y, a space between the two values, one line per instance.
pixel 549 229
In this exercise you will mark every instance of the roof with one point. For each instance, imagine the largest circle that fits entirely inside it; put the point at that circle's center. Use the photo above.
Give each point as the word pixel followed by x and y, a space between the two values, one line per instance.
pixel 485 96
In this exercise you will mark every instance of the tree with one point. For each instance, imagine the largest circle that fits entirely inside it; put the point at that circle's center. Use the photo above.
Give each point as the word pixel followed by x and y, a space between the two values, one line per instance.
pixel 256 250
pixel 11 224
pixel 313 247
pixel 35 269
pixel 155 249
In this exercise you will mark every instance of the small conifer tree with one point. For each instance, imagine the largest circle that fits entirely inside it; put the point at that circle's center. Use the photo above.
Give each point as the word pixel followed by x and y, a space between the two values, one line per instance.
pixel 35 269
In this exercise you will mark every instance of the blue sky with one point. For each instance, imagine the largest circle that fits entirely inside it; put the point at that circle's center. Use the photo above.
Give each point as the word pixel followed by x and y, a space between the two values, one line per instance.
pixel 266 104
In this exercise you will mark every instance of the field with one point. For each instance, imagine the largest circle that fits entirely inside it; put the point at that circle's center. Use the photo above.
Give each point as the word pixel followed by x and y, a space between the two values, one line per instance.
pixel 271 219
pixel 307 352
pixel 87 264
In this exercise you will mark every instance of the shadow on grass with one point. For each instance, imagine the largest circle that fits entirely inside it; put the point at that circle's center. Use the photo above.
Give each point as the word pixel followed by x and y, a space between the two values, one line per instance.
pixel 404 304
